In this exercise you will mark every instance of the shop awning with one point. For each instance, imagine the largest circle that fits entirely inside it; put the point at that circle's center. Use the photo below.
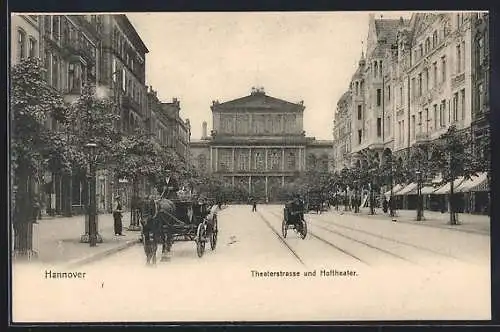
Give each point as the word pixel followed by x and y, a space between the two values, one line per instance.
pixel 445 189
pixel 476 183
pixel 427 190
pixel 395 189
pixel 409 188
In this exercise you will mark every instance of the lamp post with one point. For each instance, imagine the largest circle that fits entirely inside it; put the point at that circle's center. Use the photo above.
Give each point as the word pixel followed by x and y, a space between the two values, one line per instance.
pixel 419 195
pixel 92 195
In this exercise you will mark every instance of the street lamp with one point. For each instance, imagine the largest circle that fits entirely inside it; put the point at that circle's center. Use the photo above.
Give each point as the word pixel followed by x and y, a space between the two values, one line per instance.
pixel 92 195
pixel 419 195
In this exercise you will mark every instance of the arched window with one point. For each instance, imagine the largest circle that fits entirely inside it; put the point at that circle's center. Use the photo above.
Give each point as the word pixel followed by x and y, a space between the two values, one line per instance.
pixel 259 161
pixel 21 44
pixel 434 39
pixel 427 45
pixel 275 161
pixel 376 68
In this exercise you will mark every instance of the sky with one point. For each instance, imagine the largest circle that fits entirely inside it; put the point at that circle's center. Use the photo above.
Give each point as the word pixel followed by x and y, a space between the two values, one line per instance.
pixel 200 57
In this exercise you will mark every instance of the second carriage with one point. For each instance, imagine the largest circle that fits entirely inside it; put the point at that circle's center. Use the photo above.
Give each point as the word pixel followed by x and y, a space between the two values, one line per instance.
pixel 293 218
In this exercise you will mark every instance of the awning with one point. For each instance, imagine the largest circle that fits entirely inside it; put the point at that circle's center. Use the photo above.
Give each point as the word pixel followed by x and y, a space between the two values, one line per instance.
pixel 444 190
pixel 427 190
pixel 409 188
pixel 437 179
pixel 395 189
pixel 476 183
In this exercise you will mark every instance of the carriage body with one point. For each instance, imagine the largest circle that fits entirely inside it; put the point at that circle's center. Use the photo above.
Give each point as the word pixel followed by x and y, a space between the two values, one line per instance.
pixel 184 220
pixel 293 218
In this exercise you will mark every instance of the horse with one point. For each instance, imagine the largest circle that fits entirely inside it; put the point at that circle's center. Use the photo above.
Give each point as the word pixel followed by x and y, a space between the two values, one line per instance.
pixel 156 226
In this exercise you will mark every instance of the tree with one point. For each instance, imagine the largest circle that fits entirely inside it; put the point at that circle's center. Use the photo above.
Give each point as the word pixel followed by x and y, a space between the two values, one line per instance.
pixel 452 154
pixel 32 103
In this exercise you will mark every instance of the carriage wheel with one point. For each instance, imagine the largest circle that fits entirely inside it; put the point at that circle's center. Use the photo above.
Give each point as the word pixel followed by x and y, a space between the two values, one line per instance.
pixel 213 236
pixel 200 240
pixel 284 228
pixel 303 232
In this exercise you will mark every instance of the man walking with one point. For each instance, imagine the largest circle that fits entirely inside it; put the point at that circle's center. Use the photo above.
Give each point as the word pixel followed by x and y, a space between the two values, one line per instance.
pixel 254 205
pixel 117 216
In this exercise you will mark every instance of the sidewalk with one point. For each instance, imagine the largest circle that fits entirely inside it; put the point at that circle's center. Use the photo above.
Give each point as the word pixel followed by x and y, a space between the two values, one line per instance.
pixel 471 223
pixel 57 240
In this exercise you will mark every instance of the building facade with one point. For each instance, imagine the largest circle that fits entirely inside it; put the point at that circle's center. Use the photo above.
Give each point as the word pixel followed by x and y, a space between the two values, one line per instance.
pixel 420 76
pixel 258 144
pixel 25 37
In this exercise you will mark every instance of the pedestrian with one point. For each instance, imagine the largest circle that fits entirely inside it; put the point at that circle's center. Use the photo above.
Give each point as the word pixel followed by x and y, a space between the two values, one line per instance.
pixel 385 205
pixel 254 205
pixel 117 216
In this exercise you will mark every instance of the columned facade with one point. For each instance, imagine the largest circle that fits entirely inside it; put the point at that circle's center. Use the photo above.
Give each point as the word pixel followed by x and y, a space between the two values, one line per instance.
pixel 258 144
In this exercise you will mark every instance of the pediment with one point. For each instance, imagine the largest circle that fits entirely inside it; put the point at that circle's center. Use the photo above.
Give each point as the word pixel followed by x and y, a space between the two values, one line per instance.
pixel 258 101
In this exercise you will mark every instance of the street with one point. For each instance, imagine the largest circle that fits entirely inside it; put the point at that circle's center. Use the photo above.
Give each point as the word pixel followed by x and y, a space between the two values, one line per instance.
pixel 395 271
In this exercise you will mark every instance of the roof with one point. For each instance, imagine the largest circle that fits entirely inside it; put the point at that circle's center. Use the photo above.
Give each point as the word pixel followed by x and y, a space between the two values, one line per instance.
pixel 388 29
pixel 122 18
pixel 259 100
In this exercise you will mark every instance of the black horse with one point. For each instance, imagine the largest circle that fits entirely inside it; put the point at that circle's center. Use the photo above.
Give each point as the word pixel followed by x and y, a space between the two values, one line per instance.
pixel 156 226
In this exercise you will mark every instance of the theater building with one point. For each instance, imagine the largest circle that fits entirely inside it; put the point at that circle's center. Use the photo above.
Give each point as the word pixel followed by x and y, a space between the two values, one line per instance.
pixel 258 143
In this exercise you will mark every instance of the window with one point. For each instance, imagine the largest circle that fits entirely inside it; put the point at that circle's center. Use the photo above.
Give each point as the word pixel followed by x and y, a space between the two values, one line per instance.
pixel 403 131
pixel 421 50
pixel 480 97
pixel 413 88
pixel 359 112
pixel 379 97
pixel 480 49
pixel 427 45
pixel 459 59
pixel 420 122
pixel 243 161
pixel 114 73
pixel 360 136
pixel 291 161
pixel 455 106
pixel 259 161
pixel 21 44
pixel 427 85
pixel 434 39
pixel 400 95
pixel 463 57
pixel 389 92
pixel 435 116
pixel 55 72
pixel 275 161
pixel 32 48
pixel 442 110
pixel 56 27
pixel 434 74
pixel 443 68
pixel 357 88
pixel 376 69
pixel 413 126
pixel 419 84
pixel 124 80
pixel 462 103
pixel 379 127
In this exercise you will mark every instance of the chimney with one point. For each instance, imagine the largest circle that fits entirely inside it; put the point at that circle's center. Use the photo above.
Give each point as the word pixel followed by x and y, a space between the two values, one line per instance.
pixel 204 130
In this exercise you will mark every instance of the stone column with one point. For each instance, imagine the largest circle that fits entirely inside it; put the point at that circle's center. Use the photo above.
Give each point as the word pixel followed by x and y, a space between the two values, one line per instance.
pixel 250 185
pixel 216 159
pixel 232 180
pixel 266 190
pixel 283 159
pixel 211 160
pixel 265 156
pixel 283 181
pixel 300 160
pixel 233 162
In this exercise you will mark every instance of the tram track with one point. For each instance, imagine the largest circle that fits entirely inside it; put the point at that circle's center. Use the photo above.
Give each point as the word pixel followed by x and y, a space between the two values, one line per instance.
pixel 315 236
pixel 437 253
pixel 290 249
pixel 387 252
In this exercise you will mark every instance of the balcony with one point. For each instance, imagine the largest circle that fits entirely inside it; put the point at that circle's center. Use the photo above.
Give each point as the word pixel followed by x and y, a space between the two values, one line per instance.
pixel 422 137
pixel 457 80
pixel 129 102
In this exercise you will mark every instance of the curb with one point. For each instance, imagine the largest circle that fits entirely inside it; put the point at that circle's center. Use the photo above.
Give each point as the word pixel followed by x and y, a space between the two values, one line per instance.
pixel 405 220
pixel 101 255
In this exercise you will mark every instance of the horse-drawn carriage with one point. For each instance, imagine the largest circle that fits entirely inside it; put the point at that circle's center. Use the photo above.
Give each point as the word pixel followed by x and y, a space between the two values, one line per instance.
pixel 293 218
pixel 166 221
